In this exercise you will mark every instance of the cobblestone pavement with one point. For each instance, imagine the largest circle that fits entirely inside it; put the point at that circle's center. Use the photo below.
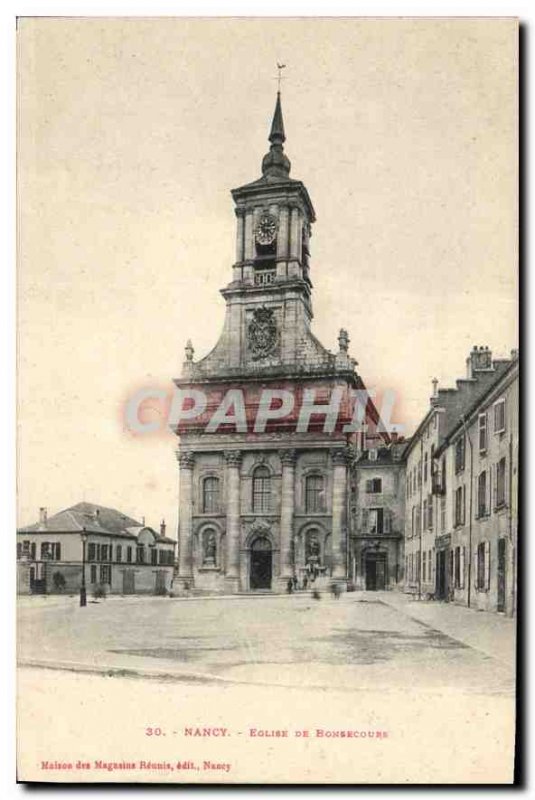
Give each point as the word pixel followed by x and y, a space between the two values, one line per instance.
pixel 360 641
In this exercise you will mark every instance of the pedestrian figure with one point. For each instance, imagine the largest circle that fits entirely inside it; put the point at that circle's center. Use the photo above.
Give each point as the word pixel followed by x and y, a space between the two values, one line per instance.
pixel 295 583
pixel 289 586
pixel 305 582
pixel 336 591
pixel 316 595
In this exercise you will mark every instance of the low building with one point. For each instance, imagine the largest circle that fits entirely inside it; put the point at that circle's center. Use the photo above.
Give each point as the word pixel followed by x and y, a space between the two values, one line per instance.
pixel 120 554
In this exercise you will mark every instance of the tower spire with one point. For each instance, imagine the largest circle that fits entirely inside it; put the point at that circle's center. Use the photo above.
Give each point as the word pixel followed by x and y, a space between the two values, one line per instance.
pixel 276 135
pixel 276 163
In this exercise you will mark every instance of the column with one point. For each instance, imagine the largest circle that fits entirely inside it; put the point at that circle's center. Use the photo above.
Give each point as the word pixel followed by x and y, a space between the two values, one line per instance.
pixel 232 575
pixel 295 244
pixel 239 234
pixel 288 458
pixel 186 461
pixel 282 235
pixel 339 521
pixel 248 253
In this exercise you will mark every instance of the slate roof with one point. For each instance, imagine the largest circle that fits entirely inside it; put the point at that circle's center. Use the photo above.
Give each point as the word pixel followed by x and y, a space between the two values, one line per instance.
pixel 458 401
pixel 95 519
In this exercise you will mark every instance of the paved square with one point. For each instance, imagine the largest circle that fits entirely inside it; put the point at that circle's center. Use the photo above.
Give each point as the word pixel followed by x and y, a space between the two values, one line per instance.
pixel 355 642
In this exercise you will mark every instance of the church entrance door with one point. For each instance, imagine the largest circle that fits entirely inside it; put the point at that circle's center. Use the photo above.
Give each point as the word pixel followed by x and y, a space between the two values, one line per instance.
pixel 261 564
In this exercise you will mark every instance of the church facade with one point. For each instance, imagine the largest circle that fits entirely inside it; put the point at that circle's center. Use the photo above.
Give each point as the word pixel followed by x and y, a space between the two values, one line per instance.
pixel 266 490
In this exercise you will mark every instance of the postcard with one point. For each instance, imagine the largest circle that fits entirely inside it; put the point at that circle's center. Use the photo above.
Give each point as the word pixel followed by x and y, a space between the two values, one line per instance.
pixel 268 428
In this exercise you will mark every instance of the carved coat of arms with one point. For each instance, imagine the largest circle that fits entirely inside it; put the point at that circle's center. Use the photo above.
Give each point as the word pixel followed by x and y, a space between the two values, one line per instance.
pixel 262 333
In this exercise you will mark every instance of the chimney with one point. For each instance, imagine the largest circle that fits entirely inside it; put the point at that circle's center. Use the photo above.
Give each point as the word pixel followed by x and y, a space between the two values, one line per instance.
pixel 143 521
pixel 43 515
pixel 479 360
pixel 162 527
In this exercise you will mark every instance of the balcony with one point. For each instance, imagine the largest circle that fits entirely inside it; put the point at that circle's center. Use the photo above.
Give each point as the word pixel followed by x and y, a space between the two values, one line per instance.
pixel 264 278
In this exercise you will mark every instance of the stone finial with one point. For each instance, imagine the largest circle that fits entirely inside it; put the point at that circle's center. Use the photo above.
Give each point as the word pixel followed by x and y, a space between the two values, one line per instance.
pixel 189 351
pixel 435 387
pixel 343 340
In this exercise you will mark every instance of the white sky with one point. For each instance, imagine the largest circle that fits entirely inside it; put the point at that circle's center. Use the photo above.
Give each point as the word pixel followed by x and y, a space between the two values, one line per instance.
pixel 132 133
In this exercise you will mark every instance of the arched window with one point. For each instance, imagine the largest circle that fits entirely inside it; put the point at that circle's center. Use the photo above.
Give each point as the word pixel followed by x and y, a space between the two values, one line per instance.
pixel 209 547
pixel 314 493
pixel 261 490
pixel 210 495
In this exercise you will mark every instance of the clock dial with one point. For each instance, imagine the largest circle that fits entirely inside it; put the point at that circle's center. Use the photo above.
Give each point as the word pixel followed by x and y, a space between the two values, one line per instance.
pixel 266 230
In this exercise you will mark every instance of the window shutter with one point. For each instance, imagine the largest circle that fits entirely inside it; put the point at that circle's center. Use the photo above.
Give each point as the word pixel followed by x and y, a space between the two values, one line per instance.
pixel 386 520
pixel 488 500
pixel 364 519
pixel 461 569
pixel 487 565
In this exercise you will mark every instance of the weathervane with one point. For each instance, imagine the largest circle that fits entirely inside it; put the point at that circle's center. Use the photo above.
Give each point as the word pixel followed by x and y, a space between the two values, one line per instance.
pixel 280 67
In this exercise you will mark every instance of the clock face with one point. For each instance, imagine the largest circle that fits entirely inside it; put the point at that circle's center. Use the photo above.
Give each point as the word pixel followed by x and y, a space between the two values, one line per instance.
pixel 266 230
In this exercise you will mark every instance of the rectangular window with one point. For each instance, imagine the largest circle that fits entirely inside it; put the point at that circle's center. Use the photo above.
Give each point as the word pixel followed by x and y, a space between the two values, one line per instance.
pixel 459 506
pixel 32 551
pixel 91 551
pixel 499 416
pixel 93 573
pixel 19 550
pixel 374 486
pixel 482 495
pixel 424 567
pixel 57 551
pixel 376 520
pixel 457 577
pixel 442 514
pixel 481 566
pixel 140 554
pixel 500 483
pixel 482 432
pixel 459 455
pixel 129 555
pixel 153 555
pixel 425 513
pixel 105 573
pixel 430 512
pixel 426 461
pixel 461 569
pixel 119 553
pixel 45 551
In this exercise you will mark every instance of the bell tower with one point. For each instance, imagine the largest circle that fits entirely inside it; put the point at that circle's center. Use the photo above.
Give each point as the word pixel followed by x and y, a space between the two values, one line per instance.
pixel 274 219
pixel 271 282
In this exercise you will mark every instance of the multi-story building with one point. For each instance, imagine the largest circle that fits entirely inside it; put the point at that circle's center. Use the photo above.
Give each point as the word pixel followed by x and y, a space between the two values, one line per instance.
pixel 117 553
pixel 264 499
pixel 378 517
pixel 441 513
pixel 479 459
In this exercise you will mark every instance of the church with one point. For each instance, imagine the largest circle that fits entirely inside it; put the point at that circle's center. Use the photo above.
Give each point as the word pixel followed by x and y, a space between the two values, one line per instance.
pixel 263 505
